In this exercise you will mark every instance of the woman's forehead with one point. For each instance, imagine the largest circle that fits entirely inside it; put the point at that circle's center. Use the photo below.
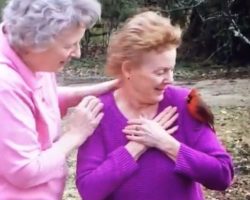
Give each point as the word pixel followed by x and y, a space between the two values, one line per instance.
pixel 159 58
pixel 71 34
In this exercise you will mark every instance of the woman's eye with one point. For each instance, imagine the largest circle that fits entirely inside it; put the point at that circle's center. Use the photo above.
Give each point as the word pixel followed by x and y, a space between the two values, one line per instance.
pixel 164 71
pixel 72 46
pixel 161 72
pixel 67 47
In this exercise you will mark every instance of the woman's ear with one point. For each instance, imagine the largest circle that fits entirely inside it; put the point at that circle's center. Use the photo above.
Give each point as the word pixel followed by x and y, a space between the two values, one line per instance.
pixel 126 69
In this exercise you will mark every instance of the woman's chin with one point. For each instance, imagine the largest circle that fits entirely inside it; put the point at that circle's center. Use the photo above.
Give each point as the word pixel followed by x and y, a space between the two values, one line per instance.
pixel 156 99
pixel 60 68
pixel 159 98
pixel 159 95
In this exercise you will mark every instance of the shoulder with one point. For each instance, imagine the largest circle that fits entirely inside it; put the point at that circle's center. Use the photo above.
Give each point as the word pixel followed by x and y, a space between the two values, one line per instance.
pixel 10 79
pixel 107 99
pixel 108 105
pixel 191 128
pixel 13 89
pixel 177 91
pixel 176 96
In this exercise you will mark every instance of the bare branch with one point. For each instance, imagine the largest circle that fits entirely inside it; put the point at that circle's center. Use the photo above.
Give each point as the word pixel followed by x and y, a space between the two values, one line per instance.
pixel 213 17
pixel 216 51
pixel 235 28
pixel 185 7
pixel 237 33
pixel 231 3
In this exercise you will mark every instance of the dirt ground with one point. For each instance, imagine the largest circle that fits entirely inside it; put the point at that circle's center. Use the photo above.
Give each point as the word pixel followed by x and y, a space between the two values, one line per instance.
pixel 223 92
pixel 230 102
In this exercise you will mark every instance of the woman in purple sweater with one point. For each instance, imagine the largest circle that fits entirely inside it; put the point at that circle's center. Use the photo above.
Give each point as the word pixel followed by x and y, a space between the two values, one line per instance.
pixel 130 156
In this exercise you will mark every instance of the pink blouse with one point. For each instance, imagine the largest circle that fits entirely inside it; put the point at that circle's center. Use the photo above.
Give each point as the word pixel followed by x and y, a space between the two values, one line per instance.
pixel 30 123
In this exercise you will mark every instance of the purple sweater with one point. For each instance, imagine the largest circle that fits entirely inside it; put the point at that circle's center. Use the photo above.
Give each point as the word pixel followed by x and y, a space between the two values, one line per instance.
pixel 105 169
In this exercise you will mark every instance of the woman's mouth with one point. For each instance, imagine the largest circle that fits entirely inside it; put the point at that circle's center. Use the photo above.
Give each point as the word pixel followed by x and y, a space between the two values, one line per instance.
pixel 160 90
pixel 64 62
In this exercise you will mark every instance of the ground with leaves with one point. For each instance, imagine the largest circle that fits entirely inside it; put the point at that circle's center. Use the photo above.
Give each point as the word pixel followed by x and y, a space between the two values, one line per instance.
pixel 230 101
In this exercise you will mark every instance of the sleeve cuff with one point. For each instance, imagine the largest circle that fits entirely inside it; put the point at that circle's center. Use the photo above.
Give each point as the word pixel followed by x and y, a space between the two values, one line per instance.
pixel 185 154
pixel 125 161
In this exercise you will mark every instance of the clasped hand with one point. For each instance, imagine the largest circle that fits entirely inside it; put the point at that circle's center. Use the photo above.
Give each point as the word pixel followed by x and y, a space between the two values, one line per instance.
pixel 155 132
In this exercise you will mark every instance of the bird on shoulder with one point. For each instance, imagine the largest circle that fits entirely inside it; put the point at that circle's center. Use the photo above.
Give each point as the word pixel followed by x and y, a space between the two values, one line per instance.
pixel 198 108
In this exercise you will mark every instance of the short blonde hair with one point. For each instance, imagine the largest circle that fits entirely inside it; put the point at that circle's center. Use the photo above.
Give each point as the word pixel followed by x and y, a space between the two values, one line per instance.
pixel 142 33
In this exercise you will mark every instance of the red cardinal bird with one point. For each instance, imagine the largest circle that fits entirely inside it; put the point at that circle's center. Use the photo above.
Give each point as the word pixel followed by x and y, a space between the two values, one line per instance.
pixel 199 109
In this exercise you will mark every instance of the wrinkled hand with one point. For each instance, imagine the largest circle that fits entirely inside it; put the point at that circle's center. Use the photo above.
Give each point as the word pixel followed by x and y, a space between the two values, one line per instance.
pixel 84 118
pixel 149 133
pixel 167 117
pixel 135 149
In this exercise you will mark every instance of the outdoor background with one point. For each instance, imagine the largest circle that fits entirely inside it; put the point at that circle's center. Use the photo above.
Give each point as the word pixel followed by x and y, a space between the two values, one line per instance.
pixel 214 57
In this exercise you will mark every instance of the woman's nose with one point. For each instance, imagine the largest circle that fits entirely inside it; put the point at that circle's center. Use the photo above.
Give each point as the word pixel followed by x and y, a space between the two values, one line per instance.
pixel 169 78
pixel 167 81
pixel 76 53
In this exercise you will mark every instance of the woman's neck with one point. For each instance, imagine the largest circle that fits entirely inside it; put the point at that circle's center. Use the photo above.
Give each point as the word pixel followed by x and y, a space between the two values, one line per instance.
pixel 132 107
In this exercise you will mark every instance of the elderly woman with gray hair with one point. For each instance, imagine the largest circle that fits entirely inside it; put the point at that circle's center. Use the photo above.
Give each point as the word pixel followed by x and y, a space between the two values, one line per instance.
pixel 37 38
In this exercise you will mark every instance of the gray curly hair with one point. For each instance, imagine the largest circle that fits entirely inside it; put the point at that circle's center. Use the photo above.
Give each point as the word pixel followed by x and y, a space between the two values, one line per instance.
pixel 36 23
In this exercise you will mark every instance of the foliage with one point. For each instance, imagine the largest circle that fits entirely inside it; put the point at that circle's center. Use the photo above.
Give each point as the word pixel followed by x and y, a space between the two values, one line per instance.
pixel 116 11
pixel 214 30
pixel 220 30
pixel 178 10
pixel 113 13
pixel 2 3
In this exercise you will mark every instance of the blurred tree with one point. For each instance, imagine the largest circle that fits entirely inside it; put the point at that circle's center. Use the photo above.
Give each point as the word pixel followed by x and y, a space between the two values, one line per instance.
pixel 114 12
pixel 2 3
pixel 220 30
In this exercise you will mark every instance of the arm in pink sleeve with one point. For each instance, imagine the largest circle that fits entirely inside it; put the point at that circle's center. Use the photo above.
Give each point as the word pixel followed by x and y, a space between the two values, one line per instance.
pixel 206 162
pixel 98 174
pixel 23 162
pixel 67 98
pixel 71 96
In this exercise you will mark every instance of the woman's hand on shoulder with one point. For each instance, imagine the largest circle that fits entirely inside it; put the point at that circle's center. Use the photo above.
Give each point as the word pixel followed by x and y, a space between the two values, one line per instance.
pixel 80 124
pixel 84 118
